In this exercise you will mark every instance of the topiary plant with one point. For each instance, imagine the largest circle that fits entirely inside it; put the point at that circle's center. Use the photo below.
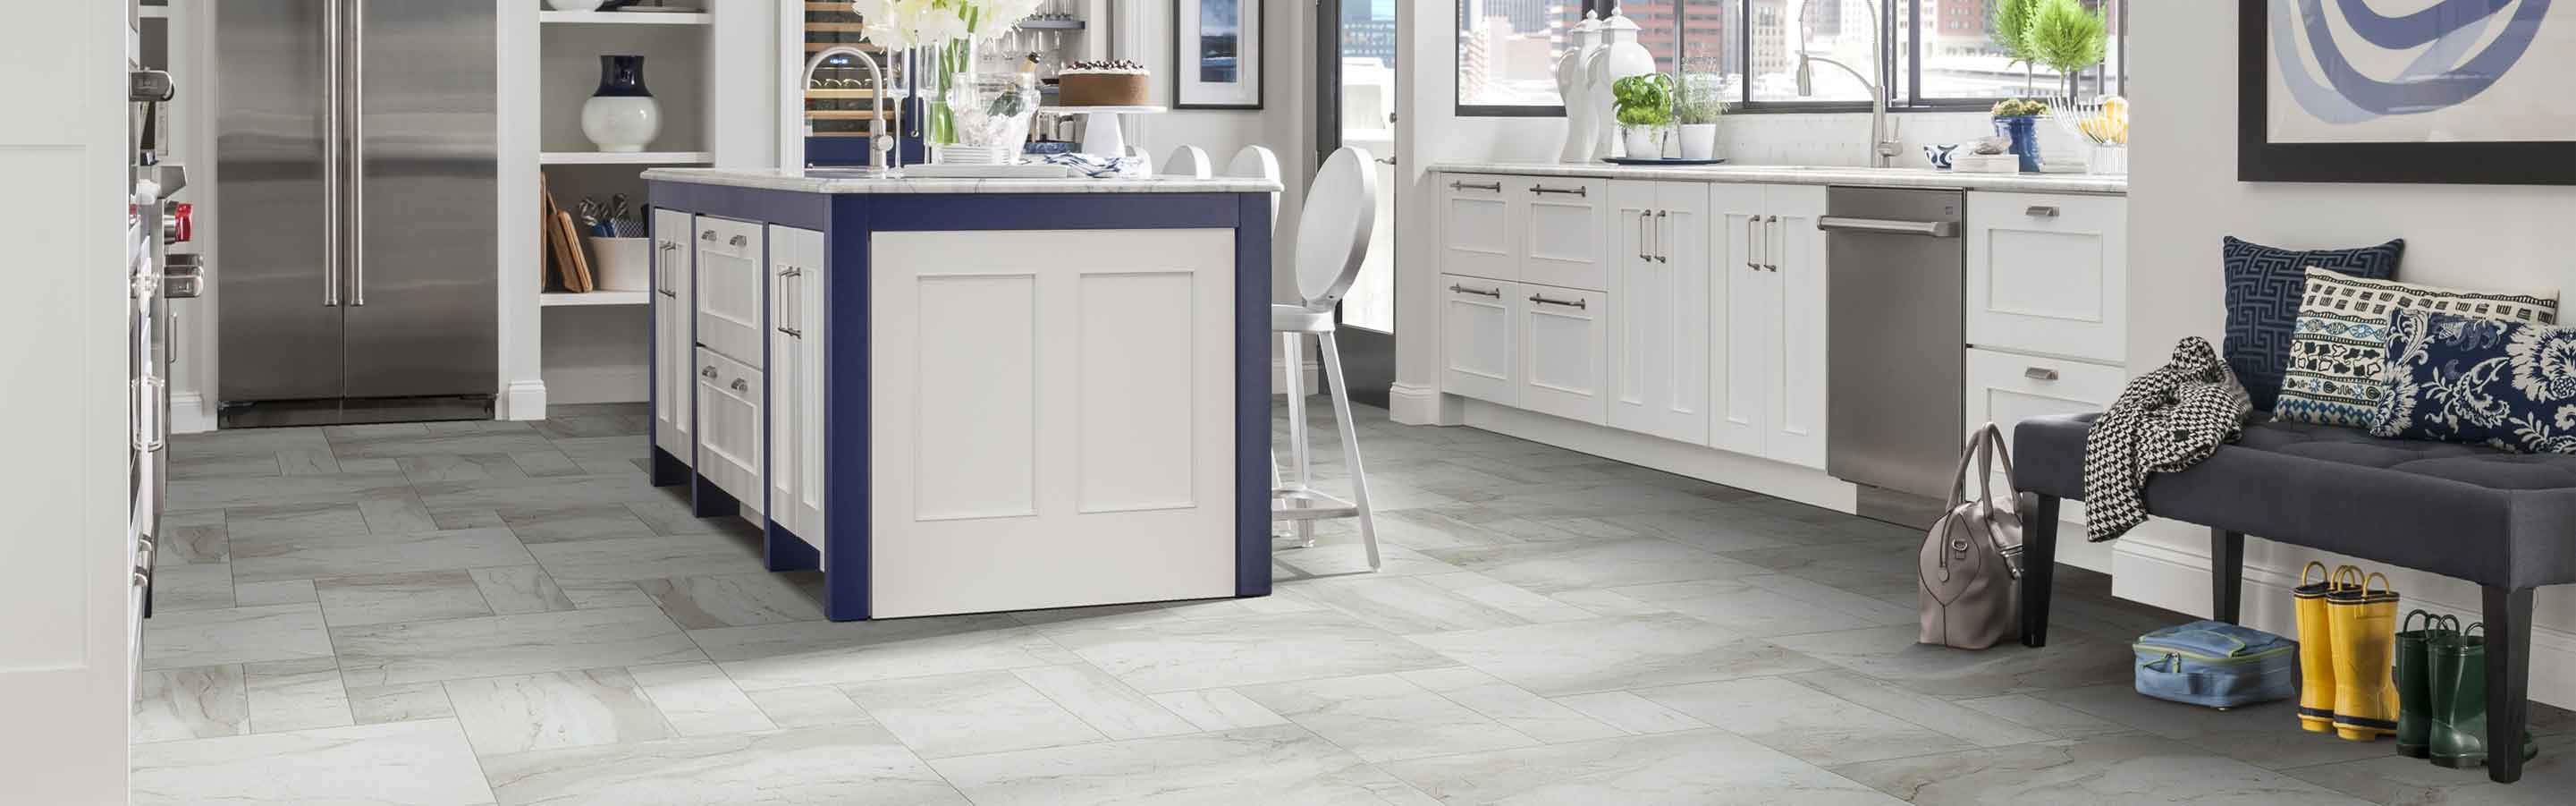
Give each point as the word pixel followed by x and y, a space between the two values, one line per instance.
pixel 1643 102
pixel 2012 34
pixel 2067 38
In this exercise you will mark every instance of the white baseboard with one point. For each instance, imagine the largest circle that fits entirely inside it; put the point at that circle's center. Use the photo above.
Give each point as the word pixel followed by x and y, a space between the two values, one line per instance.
pixel 2162 567
pixel 189 414
pixel 523 400
pixel 1802 484
pixel 597 384
pixel 1408 404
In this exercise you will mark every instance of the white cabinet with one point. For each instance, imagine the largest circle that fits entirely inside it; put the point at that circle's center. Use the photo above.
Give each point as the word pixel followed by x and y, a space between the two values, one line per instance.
pixel 1769 354
pixel 797 334
pixel 2006 388
pixel 1659 342
pixel 674 345
pixel 729 420
pixel 1564 231
pixel 730 282
pixel 1476 343
pixel 1563 347
pixel 1477 222
pixel 2048 274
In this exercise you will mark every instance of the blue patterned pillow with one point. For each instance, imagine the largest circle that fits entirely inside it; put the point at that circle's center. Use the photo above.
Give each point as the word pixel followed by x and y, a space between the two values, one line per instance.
pixel 2454 378
pixel 2264 286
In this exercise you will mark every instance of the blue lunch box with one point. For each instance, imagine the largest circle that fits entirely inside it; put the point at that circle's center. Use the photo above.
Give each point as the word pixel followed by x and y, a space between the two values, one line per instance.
pixel 2216 664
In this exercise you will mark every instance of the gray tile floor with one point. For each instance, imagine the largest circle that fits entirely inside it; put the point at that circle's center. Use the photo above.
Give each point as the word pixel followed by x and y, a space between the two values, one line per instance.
pixel 507 612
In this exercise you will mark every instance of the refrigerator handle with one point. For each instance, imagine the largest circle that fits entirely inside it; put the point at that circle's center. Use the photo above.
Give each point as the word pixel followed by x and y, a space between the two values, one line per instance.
pixel 331 156
pixel 357 187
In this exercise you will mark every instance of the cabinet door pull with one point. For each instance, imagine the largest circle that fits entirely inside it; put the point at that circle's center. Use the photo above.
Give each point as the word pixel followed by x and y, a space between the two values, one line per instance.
pixel 662 269
pixel 1662 255
pixel 1572 191
pixel 2041 211
pixel 1567 303
pixel 740 385
pixel 1771 243
pixel 709 372
pixel 1496 293
pixel 1492 187
pixel 1644 252
pixel 1752 253
pixel 2039 374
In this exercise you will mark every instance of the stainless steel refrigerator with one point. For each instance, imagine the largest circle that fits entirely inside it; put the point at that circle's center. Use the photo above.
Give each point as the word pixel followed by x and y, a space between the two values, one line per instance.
pixel 356 151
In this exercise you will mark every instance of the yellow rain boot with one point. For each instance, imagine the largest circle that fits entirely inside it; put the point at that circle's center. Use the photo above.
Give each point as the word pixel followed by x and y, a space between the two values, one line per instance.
pixel 2316 650
pixel 2362 624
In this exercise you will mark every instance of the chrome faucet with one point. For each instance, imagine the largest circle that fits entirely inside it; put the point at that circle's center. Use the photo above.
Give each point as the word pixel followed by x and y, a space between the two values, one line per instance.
pixel 1882 141
pixel 881 146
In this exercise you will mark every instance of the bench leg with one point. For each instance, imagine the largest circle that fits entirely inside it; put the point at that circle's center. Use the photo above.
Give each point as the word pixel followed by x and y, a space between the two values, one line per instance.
pixel 2507 614
pixel 2226 574
pixel 2039 570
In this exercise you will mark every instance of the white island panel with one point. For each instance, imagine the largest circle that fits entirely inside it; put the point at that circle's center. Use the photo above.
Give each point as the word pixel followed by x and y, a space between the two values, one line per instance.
pixel 1050 430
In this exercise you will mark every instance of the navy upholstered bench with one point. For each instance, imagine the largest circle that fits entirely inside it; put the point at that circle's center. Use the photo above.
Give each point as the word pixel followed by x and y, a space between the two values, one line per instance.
pixel 2502 520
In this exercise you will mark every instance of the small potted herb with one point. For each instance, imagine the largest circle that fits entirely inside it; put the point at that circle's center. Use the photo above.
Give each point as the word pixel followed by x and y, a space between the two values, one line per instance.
pixel 2018 119
pixel 1644 108
pixel 1700 107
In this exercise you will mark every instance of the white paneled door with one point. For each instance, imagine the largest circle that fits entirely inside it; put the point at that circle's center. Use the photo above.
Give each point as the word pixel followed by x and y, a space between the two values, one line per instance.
pixel 1050 432
pixel 797 333
pixel 674 342
pixel 1659 341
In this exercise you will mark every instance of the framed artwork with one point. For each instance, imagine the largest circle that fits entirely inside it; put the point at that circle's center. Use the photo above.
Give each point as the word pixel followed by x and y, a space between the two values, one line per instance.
pixel 2460 92
pixel 1216 54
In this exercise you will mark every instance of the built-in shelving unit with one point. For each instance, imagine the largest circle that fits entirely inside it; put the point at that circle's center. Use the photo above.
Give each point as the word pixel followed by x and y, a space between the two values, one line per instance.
pixel 557 299
pixel 623 18
pixel 626 158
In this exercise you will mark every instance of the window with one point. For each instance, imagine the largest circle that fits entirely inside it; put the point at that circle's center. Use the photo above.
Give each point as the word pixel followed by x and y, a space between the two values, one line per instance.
pixel 1941 53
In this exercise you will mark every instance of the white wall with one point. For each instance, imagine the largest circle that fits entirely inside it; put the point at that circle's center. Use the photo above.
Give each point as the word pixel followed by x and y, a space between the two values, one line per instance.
pixel 2183 196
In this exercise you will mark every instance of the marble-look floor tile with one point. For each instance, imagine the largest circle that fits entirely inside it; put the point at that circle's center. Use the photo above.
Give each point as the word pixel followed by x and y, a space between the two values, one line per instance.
pixel 395 446
pixel 1813 726
pixel 203 586
pixel 2266 734
pixel 1102 702
pixel 1744 607
pixel 604 595
pixel 968 713
pixel 1629 712
pixel 1611 654
pixel 523 643
pixel 281 591
pixel 519 713
pixel 1405 605
pixel 1514 707
pixel 731 600
pixel 1969 725
pixel 1551 567
pixel 285 491
pixel 1385 717
pixel 426 763
pixel 215 467
pixel 236 635
pixel 296 520
pixel 193 538
pixel 697 699
pixel 1725 529
pixel 520 589
pixel 399 703
pixel 1528 606
pixel 429 468
pixel 2101 771
pixel 1246 651
pixel 1339 557
pixel 2547 780
pixel 194 703
pixel 389 598
pixel 2043 716
pixel 640 558
pixel 810 707
pixel 1217 709
pixel 814 653
pixel 547 462
pixel 850 765
pixel 554 524
pixel 1890 654
pixel 296 695
pixel 1280 764
pixel 1694 768
pixel 395 512
pixel 354 553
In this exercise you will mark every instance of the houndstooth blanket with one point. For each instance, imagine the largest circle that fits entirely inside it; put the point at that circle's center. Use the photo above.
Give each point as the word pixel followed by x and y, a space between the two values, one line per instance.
pixel 2165 421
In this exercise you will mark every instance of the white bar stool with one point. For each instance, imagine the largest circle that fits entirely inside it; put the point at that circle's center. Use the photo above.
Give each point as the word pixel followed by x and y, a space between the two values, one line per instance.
pixel 1333 230
pixel 1188 162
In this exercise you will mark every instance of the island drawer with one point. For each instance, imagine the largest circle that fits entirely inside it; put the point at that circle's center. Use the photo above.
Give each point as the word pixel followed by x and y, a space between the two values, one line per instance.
pixel 730 398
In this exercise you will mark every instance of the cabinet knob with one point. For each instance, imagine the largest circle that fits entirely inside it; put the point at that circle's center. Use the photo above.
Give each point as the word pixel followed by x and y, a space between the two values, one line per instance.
pixel 709 372
pixel 740 385
pixel 708 235
pixel 738 240
pixel 2039 374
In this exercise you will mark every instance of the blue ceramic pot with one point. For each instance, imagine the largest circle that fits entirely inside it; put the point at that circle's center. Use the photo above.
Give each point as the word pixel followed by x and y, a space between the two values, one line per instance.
pixel 2024 132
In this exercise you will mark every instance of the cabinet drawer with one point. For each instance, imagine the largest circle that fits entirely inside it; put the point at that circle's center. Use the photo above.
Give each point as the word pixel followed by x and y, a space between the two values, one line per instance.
pixel 2049 274
pixel 732 289
pixel 1476 227
pixel 1476 344
pixel 2005 388
pixel 1563 346
pixel 1564 231
pixel 730 398
pixel 725 236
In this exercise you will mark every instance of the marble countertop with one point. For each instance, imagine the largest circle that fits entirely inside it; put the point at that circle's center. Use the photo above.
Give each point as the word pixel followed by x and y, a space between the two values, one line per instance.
pixel 844 180
pixel 1811 175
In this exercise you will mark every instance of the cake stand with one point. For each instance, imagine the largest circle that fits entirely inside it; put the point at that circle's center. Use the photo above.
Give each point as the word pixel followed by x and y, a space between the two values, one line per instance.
pixel 1100 133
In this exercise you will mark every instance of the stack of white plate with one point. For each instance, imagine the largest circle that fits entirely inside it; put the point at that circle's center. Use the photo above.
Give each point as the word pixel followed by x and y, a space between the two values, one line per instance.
pixel 978 155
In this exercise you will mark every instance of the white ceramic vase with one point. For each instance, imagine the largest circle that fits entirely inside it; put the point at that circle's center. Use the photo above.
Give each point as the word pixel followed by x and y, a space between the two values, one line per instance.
pixel 1574 87
pixel 1644 143
pixel 621 117
pixel 1699 141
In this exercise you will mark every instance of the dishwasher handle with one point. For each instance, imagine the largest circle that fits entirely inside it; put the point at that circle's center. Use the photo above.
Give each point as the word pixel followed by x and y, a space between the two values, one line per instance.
pixel 1884 226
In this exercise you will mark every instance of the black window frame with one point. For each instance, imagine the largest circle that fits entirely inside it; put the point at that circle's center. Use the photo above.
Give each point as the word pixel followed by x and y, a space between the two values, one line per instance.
pixel 2113 73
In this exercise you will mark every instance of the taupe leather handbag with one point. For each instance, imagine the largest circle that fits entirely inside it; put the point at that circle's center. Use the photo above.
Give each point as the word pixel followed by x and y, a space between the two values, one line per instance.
pixel 1971 562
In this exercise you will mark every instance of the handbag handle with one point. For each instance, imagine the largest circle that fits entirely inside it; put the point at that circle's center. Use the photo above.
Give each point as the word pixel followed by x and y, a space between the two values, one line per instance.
pixel 1985 449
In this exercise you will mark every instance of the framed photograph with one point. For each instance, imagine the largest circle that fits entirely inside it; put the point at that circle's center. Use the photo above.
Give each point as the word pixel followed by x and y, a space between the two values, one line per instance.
pixel 1216 54
pixel 2459 93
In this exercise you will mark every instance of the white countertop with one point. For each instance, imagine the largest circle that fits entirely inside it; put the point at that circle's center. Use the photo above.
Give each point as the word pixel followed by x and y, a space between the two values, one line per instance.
pixel 1810 175
pixel 844 180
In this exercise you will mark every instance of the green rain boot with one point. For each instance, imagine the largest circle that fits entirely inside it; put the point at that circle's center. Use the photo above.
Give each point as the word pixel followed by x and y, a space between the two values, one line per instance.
pixel 2414 686
pixel 2459 685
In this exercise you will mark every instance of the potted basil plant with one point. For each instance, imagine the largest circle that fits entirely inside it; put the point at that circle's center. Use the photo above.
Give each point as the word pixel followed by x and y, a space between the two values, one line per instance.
pixel 1644 108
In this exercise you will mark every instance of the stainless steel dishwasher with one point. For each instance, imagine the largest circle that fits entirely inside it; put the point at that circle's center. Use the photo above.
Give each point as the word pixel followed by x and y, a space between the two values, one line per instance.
pixel 1895 382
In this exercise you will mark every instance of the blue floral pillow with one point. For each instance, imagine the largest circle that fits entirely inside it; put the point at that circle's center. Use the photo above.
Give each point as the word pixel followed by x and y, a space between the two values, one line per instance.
pixel 2453 378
